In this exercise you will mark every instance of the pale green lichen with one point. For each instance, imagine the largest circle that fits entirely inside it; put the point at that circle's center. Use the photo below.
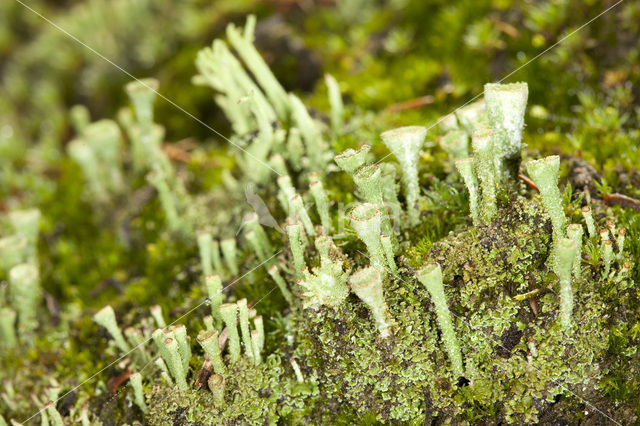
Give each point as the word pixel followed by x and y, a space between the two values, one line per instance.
pixel 544 173
pixel 213 284
pixel 25 294
pixel 243 319
pixel 367 285
pixel 209 341
pixel 138 394
pixel 229 252
pixel 574 233
pixel 505 106
pixel 366 220
pixel 175 362
pixel 405 143
pixel 282 285
pixel 216 386
pixel 483 144
pixel 322 202
pixel 335 100
pixel 351 160
pixel 229 314
pixel 456 144
pixel 370 183
pixel 295 244
pixel 566 256
pixel 14 250
pixel 431 277
pixel 501 313
pixel 326 284
pixel 466 168
pixel 7 327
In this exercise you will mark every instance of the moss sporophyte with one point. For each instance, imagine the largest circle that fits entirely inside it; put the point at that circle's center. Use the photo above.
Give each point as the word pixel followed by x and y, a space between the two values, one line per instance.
pixel 296 313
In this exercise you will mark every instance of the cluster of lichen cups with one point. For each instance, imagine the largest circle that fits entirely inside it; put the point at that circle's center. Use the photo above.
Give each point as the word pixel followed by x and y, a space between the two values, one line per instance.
pixel 493 126
pixel 329 284
pixel 495 129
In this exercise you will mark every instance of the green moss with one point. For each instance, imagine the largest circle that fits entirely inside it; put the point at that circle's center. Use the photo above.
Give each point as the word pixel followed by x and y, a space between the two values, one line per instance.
pixel 503 297
pixel 252 395
pixel 484 269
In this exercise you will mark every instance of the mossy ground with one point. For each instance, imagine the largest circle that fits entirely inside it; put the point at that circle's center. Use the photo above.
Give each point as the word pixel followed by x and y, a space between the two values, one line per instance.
pixel 519 362
pixel 584 105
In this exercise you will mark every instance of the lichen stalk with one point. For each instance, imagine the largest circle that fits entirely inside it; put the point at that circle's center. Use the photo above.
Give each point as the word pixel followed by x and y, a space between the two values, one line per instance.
pixel 322 202
pixel 367 285
pixel 405 143
pixel 168 200
pixel 369 180
pixel 471 117
pixel 466 168
pixel 164 370
pixel 258 323
pixel 295 148
pixel 142 94
pixel 588 219
pixel 566 256
pixel 243 315
pixel 26 223
pixel 295 243
pixel 505 106
pixel 456 144
pixel 215 256
pixel 261 241
pixel 184 345
pixel 14 250
pixel 229 314
pixel 25 294
pixel 351 160
pixel 620 241
pixel 574 233
pixel 243 44
pixel 544 173
pixel 138 395
pixel 214 292
pixel 607 257
pixel 106 318
pixel 275 274
pixel 229 252
pixel 389 186
pixel 255 346
pixel 208 339
pixel 216 386
pixel 137 341
pixel 387 246
pixel 156 313
pixel 366 221
pixel 287 191
pixel 174 362
pixel 204 248
pixel 335 101
pixel 299 212
pixel 7 327
pixel 54 416
pixel 482 142
pixel 310 132
pixel 431 277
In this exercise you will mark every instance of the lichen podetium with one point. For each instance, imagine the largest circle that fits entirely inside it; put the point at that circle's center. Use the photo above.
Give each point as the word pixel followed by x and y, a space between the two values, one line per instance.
pixel 301 277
